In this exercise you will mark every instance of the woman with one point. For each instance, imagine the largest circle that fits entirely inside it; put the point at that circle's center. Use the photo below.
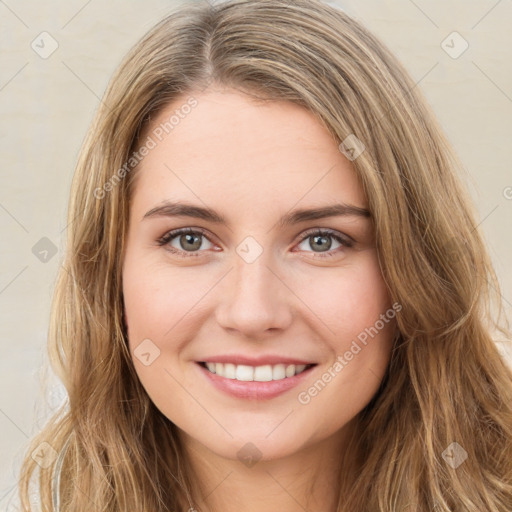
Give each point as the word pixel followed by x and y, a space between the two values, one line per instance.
pixel 218 350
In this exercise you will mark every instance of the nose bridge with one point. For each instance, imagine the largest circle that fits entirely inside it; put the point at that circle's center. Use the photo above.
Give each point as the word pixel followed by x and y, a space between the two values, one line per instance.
pixel 253 279
pixel 254 299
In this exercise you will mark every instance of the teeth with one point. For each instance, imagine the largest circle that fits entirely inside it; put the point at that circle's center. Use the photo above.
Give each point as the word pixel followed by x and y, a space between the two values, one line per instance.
pixel 229 371
pixel 279 372
pixel 264 373
pixel 242 372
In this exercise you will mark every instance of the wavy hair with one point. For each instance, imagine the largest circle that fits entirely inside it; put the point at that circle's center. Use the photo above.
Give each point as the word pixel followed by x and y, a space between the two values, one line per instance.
pixel 446 381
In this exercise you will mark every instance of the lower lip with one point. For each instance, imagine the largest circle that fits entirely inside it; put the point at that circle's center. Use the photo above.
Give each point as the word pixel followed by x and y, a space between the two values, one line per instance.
pixel 254 390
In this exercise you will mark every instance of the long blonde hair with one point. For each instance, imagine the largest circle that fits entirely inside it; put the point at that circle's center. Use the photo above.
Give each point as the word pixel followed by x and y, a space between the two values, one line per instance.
pixel 446 382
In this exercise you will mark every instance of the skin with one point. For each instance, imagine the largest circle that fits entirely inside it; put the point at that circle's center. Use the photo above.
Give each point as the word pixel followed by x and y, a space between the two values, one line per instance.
pixel 253 162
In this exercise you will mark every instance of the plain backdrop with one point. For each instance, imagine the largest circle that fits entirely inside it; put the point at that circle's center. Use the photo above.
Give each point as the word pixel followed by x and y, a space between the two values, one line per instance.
pixel 56 59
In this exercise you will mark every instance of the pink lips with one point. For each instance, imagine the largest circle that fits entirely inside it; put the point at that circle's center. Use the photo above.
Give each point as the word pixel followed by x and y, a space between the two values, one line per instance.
pixel 254 390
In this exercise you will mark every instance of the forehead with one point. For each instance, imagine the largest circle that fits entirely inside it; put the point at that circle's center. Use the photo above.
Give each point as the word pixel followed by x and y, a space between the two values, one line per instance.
pixel 230 149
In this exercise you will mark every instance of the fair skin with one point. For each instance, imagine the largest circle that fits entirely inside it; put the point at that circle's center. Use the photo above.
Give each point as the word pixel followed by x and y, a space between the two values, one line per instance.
pixel 253 163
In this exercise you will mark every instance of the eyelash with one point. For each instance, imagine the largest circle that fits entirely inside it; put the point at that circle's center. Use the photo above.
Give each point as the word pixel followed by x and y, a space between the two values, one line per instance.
pixel 344 240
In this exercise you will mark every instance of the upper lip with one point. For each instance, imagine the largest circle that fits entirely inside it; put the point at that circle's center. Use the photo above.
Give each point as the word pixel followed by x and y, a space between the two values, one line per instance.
pixel 255 361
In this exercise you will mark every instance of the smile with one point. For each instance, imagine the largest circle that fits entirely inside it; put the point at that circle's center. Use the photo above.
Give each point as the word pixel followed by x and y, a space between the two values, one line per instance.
pixel 263 373
pixel 260 382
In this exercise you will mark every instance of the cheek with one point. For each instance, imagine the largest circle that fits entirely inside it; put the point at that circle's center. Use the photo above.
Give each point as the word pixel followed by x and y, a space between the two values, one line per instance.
pixel 165 308
pixel 157 299
pixel 359 342
pixel 355 305
pixel 159 305
pixel 347 300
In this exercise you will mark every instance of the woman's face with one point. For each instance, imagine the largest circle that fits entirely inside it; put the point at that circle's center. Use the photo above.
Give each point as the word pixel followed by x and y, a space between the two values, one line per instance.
pixel 252 288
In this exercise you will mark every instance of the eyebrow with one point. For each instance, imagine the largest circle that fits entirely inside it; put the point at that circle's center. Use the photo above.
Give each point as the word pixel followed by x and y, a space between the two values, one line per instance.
pixel 170 209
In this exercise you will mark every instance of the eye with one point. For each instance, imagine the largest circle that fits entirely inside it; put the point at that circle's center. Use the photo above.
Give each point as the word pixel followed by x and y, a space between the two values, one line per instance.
pixel 322 239
pixel 186 241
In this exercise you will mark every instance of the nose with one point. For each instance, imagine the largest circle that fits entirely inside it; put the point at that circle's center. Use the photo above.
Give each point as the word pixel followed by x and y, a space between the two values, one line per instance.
pixel 254 302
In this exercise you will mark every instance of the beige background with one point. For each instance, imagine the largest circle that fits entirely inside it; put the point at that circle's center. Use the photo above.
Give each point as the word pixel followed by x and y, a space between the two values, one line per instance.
pixel 46 105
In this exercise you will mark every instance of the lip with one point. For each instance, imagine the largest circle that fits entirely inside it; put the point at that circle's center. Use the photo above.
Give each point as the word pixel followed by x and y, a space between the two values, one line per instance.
pixel 254 390
pixel 255 361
